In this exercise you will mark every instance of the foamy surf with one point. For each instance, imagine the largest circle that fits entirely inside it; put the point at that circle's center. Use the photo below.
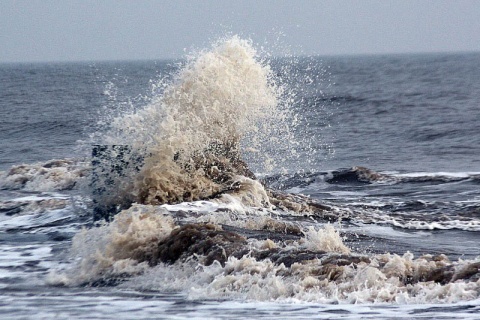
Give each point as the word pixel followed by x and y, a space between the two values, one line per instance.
pixel 149 248
pixel 53 175
pixel 194 219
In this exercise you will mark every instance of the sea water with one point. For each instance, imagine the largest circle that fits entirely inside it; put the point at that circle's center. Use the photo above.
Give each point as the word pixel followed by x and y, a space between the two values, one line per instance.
pixel 387 145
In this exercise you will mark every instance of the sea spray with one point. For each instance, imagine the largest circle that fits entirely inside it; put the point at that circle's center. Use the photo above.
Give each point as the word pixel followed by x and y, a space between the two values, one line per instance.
pixel 327 239
pixel 115 249
pixel 223 104
pixel 217 252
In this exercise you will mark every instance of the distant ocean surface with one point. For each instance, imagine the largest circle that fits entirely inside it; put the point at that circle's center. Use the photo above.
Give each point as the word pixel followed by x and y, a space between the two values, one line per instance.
pixel 389 144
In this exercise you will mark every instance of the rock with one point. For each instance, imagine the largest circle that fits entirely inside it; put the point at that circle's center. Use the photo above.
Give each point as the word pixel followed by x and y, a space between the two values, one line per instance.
pixel 198 239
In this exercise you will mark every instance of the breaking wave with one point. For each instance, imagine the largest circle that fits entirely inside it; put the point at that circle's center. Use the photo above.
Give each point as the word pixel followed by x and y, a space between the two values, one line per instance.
pixel 222 106
pixel 53 175
pixel 197 220
pixel 151 248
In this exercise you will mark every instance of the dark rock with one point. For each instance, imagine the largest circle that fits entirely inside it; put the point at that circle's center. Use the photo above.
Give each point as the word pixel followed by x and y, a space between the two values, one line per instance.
pixel 110 163
pixel 355 175
pixel 198 239
pixel 470 272
pixel 294 256
pixel 301 203
pixel 442 275
pixel 345 260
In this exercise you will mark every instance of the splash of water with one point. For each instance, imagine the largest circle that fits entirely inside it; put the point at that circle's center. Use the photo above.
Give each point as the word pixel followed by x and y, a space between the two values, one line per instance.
pixel 222 104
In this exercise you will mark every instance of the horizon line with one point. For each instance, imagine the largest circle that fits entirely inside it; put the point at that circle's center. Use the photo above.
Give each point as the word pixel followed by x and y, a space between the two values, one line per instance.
pixel 172 59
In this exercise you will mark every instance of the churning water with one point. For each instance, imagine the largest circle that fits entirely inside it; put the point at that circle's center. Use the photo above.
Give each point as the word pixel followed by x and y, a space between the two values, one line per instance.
pixel 293 187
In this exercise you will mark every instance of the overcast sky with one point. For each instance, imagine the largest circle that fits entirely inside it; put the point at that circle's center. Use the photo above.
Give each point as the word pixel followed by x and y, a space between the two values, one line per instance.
pixel 71 30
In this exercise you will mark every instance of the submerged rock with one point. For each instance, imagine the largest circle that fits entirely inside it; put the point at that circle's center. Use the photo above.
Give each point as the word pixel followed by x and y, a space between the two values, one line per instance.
pixel 355 174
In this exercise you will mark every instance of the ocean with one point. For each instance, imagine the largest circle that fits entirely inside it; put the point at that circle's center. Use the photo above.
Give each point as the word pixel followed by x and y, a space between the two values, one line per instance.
pixel 232 184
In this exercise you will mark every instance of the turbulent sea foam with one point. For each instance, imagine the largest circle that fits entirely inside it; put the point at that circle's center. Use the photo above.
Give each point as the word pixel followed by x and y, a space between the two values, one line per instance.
pixel 203 224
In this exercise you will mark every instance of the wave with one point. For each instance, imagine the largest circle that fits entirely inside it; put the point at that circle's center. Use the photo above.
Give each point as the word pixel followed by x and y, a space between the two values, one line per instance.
pixel 417 220
pixel 362 175
pixel 200 222
pixel 53 175
pixel 437 177
pixel 417 201
pixel 354 175
pixel 221 105
pixel 33 204
pixel 67 174
pixel 205 261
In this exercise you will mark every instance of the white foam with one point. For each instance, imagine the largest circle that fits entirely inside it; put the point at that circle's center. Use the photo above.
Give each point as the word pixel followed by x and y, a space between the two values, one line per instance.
pixel 436 174
pixel 347 193
pixel 30 198
pixel 326 239
pixel 467 224
pixel 194 206
pixel 248 279
pixel 53 175
pixel 111 249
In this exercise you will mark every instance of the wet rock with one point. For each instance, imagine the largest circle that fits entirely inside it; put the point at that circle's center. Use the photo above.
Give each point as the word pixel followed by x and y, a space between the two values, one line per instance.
pixel 198 239
pixel 442 275
pixel 282 231
pixel 355 175
pixel 221 161
pixel 294 256
pixel 345 260
pixel 212 243
pixel 470 272
pixel 302 204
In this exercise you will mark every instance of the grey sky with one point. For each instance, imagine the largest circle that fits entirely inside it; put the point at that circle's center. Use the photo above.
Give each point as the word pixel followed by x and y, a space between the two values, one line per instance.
pixel 59 30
